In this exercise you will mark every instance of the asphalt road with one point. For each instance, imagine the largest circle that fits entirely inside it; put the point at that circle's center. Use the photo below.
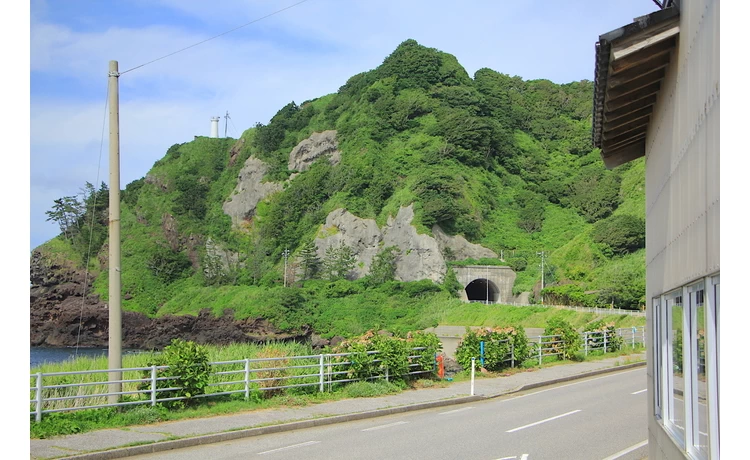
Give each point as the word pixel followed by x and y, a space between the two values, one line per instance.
pixel 598 418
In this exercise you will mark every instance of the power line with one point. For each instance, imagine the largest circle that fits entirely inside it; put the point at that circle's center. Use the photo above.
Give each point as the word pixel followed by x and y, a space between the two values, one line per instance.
pixel 216 36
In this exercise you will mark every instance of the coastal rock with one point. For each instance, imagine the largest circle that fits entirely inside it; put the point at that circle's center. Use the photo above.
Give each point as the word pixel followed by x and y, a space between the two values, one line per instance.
pixel 312 148
pixel 250 190
pixel 62 316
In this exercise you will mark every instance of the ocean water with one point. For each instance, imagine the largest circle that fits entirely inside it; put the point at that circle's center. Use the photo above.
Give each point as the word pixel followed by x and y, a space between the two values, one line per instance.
pixel 41 355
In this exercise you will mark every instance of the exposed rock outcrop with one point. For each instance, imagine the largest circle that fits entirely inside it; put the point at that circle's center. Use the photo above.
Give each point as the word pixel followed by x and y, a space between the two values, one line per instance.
pixel 460 247
pixel 62 317
pixel 314 147
pixel 420 256
pixel 250 190
pixel 362 235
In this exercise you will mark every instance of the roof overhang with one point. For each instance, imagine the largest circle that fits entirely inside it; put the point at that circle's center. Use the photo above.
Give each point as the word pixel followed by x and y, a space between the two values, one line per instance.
pixel 631 63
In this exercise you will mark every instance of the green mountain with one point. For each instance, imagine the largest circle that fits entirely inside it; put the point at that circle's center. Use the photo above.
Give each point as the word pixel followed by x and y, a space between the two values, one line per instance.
pixel 506 163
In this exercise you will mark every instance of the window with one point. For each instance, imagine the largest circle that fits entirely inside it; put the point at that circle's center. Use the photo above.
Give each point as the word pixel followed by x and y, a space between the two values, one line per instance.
pixel 657 355
pixel 674 416
pixel 686 366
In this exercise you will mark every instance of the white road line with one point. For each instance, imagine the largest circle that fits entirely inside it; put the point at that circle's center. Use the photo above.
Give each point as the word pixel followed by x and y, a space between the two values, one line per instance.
pixel 384 426
pixel 543 421
pixel 457 410
pixel 308 443
pixel 627 451
pixel 639 392
pixel 525 457
pixel 507 458
pixel 571 384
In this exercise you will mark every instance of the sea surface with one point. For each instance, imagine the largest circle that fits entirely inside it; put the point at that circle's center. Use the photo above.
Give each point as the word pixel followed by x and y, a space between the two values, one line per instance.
pixel 56 355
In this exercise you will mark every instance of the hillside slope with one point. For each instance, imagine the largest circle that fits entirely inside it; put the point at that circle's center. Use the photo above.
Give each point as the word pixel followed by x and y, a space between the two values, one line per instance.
pixel 499 164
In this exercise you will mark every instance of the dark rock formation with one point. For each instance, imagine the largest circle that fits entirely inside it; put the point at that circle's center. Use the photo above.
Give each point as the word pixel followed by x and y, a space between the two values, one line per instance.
pixel 61 316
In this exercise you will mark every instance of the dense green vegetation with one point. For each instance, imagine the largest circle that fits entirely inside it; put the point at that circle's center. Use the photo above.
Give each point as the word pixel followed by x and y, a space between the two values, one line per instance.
pixel 507 163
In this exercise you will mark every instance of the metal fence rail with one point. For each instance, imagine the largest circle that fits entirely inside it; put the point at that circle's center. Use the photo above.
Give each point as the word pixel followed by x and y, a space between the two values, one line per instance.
pixel 68 391
pixel 593 342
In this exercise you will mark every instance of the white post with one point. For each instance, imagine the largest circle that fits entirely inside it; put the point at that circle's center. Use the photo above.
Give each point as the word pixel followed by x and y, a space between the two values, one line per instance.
pixel 540 350
pixel 39 397
pixel 153 385
pixel 473 365
pixel 247 378
pixel 585 344
pixel 605 341
pixel 321 373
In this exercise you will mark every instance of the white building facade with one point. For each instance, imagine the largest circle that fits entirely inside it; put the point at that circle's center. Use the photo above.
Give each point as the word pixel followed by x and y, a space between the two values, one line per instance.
pixel 674 123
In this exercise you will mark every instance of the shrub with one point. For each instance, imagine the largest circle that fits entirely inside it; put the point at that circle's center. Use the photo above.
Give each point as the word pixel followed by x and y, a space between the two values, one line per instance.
pixel 393 355
pixel 497 347
pixel 568 336
pixel 620 234
pixel 272 378
pixel 188 367
pixel 600 328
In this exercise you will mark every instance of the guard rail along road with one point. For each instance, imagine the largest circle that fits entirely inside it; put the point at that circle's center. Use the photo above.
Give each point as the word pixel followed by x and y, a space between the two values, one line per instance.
pixel 68 391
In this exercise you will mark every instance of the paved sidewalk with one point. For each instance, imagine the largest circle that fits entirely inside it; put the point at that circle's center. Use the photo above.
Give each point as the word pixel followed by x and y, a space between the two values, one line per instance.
pixel 111 443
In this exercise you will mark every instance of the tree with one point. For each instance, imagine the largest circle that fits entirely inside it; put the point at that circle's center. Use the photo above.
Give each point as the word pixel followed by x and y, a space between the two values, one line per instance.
pixel 309 260
pixel 66 213
pixel 338 262
pixel 384 265
pixel 168 265
pixel 620 234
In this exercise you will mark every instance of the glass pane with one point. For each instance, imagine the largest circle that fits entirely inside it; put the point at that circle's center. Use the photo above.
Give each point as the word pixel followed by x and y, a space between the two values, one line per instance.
pixel 677 403
pixel 700 390
pixel 658 360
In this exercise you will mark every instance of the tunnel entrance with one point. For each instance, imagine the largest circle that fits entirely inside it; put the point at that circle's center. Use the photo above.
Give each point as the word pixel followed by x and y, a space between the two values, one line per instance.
pixel 482 290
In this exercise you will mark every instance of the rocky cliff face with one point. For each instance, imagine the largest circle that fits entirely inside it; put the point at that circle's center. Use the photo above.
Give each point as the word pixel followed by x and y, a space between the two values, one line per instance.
pixel 61 316
pixel 312 148
pixel 250 190
pixel 420 256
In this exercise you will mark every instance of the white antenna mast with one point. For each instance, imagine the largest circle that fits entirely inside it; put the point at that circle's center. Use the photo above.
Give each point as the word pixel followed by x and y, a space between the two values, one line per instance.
pixel 226 122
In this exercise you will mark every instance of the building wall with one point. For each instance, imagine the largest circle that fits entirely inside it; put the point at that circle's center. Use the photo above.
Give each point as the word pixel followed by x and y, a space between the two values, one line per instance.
pixel 682 177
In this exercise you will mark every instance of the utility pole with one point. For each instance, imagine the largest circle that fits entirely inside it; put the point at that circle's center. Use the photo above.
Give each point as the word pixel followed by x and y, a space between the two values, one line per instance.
pixel 540 292
pixel 286 256
pixel 114 350
pixel 226 122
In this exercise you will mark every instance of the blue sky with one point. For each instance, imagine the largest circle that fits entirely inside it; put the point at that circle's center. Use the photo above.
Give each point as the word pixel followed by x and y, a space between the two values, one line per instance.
pixel 304 52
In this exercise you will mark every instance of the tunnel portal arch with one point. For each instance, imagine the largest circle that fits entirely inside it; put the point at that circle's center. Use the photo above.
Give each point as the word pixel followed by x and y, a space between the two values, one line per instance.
pixel 482 290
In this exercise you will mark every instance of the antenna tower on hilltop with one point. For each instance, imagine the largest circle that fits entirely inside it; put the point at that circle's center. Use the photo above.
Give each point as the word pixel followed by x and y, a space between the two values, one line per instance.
pixel 226 122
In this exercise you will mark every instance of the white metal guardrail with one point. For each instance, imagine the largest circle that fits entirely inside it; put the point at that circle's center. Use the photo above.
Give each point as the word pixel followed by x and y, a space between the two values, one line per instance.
pixel 593 342
pixel 68 391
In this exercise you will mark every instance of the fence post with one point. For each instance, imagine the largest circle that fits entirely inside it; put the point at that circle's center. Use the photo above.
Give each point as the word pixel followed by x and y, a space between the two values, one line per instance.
pixel 643 337
pixel 481 353
pixel 153 385
pixel 605 341
pixel 540 350
pixel 247 379
pixel 473 365
pixel 512 355
pixel 585 344
pixel 386 373
pixel 634 330
pixel 39 397
pixel 321 373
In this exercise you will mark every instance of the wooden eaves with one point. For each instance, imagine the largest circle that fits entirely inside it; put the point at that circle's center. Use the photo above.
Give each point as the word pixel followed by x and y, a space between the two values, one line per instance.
pixel 631 63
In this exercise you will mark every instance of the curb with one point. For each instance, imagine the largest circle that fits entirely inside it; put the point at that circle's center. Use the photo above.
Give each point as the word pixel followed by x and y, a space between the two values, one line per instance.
pixel 162 446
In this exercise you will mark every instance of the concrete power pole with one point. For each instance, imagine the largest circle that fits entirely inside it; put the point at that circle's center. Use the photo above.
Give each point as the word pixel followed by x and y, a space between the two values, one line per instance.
pixel 115 309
